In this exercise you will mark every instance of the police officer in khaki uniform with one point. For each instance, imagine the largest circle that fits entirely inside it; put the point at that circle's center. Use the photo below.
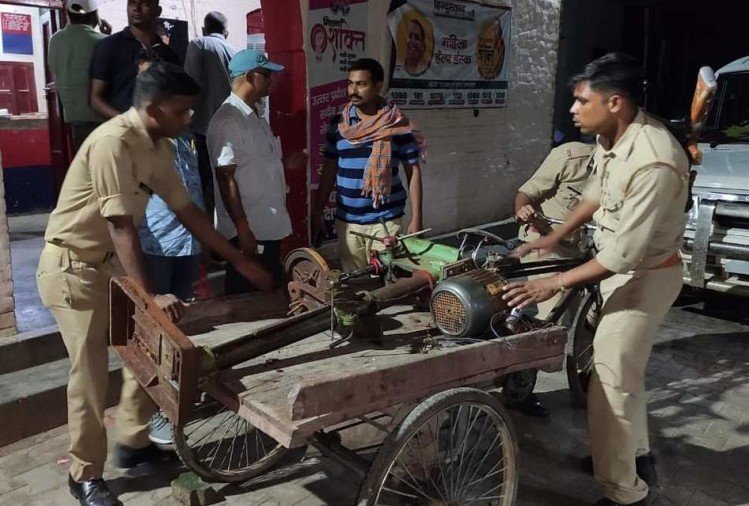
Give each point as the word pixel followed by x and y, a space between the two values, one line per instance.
pixel 92 234
pixel 554 190
pixel 637 199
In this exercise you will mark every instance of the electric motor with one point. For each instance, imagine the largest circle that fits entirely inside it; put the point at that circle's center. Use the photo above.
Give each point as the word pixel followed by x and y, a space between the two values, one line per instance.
pixel 463 306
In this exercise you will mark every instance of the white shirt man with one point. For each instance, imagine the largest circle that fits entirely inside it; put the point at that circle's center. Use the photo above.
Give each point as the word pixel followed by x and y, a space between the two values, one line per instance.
pixel 248 169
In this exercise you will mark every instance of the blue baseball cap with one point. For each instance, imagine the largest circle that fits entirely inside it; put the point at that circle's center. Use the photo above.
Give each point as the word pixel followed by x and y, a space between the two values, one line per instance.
pixel 250 59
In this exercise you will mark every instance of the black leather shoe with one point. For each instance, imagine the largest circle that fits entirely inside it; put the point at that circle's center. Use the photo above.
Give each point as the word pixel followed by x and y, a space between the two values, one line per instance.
pixel 128 458
pixel 608 502
pixel 92 493
pixel 531 406
pixel 644 466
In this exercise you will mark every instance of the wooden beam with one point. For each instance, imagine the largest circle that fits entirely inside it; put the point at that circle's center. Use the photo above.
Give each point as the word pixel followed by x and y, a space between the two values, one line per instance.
pixel 430 372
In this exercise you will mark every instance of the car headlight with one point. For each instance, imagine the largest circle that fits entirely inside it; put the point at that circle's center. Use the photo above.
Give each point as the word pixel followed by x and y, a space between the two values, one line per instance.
pixel 693 212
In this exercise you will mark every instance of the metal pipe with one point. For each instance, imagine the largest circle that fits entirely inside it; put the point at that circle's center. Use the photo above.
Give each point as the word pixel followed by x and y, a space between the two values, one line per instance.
pixel 722 286
pixel 732 210
pixel 719 248
pixel 272 337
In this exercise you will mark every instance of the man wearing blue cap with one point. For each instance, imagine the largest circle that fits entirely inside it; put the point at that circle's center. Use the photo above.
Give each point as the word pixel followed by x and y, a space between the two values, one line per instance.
pixel 249 171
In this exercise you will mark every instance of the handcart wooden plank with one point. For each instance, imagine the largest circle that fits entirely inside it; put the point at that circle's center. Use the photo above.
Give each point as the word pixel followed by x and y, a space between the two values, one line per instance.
pixel 300 389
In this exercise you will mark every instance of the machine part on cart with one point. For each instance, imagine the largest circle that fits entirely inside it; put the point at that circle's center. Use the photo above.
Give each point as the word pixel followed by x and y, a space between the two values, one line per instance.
pixel 306 271
pixel 580 347
pixel 455 447
pixel 271 338
pixel 463 306
pixel 219 445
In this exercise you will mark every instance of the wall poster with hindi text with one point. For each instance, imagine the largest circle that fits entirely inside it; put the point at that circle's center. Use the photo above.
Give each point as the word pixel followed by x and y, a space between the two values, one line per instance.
pixel 449 54
pixel 336 36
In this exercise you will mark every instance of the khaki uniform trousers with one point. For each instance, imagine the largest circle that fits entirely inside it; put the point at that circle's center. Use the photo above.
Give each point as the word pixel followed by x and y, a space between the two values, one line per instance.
pixel 353 250
pixel 634 306
pixel 77 294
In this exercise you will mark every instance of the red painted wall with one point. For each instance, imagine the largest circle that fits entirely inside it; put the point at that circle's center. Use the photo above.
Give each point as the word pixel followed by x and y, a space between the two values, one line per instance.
pixel 288 102
pixel 25 148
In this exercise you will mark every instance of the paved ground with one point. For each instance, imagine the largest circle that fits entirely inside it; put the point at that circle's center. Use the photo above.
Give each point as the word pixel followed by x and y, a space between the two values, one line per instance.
pixel 26 242
pixel 699 420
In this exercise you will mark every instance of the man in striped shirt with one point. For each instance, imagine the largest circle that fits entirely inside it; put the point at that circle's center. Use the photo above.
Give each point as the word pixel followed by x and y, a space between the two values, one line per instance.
pixel 365 146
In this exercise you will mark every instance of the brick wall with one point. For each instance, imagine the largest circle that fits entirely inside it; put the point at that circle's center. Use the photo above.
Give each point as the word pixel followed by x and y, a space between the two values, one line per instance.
pixel 7 303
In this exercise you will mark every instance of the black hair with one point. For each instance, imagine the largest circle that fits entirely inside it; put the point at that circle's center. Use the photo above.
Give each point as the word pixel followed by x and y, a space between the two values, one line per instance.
pixel 372 66
pixel 90 18
pixel 617 73
pixel 161 81
pixel 215 22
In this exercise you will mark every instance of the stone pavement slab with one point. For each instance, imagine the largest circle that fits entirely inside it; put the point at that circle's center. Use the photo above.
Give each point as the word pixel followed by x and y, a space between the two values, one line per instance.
pixel 698 382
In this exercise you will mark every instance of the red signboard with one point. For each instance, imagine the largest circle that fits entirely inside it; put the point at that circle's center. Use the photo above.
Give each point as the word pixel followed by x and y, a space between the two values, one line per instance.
pixel 17 33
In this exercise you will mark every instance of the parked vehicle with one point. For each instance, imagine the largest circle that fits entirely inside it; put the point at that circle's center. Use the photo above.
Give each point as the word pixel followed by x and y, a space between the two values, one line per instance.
pixel 716 242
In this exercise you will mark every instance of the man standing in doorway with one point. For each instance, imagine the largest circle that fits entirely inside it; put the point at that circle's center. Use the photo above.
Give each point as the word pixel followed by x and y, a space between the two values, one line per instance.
pixel 91 236
pixel 115 67
pixel 69 57
pixel 365 146
pixel 249 169
pixel 207 62
pixel 636 197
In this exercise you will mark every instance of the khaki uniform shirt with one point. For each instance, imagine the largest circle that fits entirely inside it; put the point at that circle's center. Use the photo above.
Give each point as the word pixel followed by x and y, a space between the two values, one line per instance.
pixel 641 184
pixel 114 173
pixel 557 187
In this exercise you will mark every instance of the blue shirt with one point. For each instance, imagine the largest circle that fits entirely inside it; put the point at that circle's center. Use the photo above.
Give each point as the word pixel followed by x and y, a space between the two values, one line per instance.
pixel 161 233
pixel 351 205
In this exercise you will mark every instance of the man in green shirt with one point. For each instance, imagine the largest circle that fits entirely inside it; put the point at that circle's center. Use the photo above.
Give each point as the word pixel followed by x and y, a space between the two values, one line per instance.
pixel 70 52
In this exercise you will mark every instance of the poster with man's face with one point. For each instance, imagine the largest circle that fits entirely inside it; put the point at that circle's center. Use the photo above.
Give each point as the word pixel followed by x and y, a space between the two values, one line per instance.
pixel 449 53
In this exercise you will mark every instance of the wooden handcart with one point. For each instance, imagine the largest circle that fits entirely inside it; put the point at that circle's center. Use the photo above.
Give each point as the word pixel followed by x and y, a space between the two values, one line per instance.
pixel 246 386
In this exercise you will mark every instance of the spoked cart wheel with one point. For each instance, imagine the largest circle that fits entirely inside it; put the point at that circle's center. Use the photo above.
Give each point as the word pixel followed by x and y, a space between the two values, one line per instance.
pixel 456 447
pixel 218 445
pixel 580 347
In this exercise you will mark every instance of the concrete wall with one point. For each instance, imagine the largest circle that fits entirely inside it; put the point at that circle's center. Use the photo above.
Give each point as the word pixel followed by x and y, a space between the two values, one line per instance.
pixel 37 58
pixel 192 11
pixel 476 162
pixel 7 302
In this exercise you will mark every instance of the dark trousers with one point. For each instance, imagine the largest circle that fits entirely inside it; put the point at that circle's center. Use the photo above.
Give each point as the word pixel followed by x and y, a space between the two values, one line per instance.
pixel 270 258
pixel 206 174
pixel 80 131
pixel 175 275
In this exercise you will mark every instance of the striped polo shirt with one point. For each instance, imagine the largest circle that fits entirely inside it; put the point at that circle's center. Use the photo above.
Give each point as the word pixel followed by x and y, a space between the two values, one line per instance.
pixel 351 205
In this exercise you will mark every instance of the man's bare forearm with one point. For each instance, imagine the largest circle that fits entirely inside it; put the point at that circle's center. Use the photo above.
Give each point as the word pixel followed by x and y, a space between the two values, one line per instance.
pixel 128 248
pixel 415 191
pixel 327 182
pixel 197 222
pixel 98 101
pixel 229 191
pixel 522 200
pixel 589 272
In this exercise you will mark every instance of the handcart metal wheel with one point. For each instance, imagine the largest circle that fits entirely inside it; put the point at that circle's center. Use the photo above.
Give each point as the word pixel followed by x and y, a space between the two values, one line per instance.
pixel 580 347
pixel 455 447
pixel 219 445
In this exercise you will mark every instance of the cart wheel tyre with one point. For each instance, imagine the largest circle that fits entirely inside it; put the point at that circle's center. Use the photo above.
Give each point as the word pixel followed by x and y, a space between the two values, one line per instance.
pixel 220 446
pixel 580 348
pixel 455 447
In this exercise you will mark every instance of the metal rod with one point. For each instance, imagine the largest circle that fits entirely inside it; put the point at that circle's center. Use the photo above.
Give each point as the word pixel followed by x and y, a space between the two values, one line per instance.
pixel 330 447
pixel 272 337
